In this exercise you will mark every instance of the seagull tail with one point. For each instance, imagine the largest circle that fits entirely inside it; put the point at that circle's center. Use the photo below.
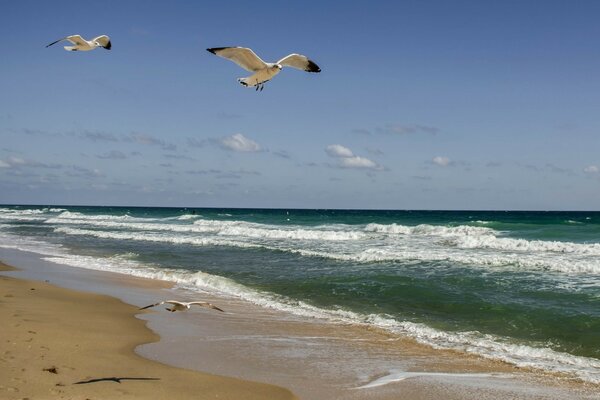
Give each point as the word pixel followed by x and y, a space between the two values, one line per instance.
pixel 243 81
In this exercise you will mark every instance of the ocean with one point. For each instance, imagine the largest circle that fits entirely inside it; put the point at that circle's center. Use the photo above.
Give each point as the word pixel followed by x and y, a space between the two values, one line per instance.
pixel 521 287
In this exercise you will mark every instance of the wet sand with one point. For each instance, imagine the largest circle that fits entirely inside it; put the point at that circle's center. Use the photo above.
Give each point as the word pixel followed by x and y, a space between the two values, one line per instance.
pixel 57 343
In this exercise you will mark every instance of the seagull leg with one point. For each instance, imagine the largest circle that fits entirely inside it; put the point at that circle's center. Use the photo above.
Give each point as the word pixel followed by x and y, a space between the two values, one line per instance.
pixel 262 87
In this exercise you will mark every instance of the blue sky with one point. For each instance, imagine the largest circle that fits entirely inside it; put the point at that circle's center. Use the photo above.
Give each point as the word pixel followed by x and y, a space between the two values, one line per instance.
pixel 420 105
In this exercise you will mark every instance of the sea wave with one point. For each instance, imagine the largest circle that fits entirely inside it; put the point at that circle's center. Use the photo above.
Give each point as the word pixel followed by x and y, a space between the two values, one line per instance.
pixel 221 228
pixel 481 259
pixel 485 345
pixel 522 245
pixel 429 230
pixel 97 217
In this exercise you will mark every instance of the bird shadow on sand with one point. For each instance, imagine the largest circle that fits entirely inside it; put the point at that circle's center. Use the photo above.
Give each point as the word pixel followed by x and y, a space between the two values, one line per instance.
pixel 114 379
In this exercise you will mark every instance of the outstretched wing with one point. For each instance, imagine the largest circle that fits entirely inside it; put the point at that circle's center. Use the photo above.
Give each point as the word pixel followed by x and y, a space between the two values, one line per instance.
pixel 299 61
pixel 153 305
pixel 242 56
pixel 205 304
pixel 75 39
pixel 56 41
pixel 104 41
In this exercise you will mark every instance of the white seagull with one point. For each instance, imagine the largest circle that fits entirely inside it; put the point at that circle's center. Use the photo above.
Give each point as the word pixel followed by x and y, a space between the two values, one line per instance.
pixel 85 45
pixel 263 71
pixel 183 306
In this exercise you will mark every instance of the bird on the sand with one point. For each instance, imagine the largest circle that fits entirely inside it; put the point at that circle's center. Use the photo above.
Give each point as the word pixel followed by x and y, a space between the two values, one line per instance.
pixel 182 305
pixel 263 71
pixel 80 44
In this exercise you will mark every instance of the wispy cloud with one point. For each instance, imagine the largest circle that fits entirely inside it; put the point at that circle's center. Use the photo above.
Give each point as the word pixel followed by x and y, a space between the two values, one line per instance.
pixel 398 129
pixel 112 155
pixel 591 169
pixel 421 177
pixel 347 159
pixel 401 129
pixel 145 139
pixel 178 157
pixel 232 174
pixel 17 162
pixel 82 172
pixel 282 154
pixel 97 136
pixel 194 142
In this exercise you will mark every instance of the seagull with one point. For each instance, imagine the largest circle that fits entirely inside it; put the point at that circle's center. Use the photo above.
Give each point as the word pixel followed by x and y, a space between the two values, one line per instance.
pixel 183 306
pixel 263 71
pixel 84 45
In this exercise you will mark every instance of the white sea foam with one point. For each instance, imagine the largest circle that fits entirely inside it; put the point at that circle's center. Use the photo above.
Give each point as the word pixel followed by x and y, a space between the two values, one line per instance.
pixel 522 245
pixel 221 228
pixel 98 217
pixel 429 230
pixel 22 243
pixel 174 239
pixel 397 376
pixel 404 245
pixel 11 214
pixel 583 262
pixel 187 217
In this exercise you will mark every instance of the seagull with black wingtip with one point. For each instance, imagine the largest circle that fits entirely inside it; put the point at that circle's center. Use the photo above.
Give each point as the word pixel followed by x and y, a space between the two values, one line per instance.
pixel 80 44
pixel 182 305
pixel 263 71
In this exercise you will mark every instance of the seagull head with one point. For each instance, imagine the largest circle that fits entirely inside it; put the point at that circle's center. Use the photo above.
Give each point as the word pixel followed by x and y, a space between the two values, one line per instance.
pixel 278 66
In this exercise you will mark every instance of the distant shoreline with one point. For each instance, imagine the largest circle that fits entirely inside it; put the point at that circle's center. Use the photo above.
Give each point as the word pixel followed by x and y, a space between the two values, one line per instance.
pixel 301 209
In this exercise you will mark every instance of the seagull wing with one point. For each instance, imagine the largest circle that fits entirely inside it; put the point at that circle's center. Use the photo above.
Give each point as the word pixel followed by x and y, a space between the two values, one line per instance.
pixel 104 41
pixel 76 40
pixel 152 305
pixel 242 56
pixel 56 41
pixel 175 302
pixel 205 304
pixel 299 61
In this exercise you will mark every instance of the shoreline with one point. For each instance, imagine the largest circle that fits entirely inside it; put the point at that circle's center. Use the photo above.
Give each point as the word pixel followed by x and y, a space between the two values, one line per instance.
pixel 339 361
pixel 58 342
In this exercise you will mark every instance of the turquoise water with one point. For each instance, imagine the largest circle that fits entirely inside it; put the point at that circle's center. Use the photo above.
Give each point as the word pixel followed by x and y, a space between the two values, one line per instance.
pixel 523 287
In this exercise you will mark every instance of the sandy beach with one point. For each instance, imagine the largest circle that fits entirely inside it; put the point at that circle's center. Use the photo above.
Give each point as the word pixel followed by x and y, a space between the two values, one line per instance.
pixel 60 343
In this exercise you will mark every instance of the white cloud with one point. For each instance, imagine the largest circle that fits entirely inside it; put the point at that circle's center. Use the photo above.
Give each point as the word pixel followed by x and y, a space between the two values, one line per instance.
pixel 4 164
pixel 337 150
pixel 347 159
pixel 591 169
pixel 239 142
pixel 441 161
pixel 358 162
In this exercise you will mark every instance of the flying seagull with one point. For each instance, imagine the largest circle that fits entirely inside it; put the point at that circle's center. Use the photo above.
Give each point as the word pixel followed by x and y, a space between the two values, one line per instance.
pixel 263 71
pixel 183 306
pixel 85 45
